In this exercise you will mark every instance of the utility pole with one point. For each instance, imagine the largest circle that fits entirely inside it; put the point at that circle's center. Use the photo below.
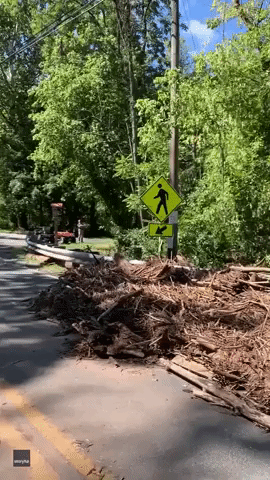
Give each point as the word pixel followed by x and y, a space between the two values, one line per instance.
pixel 173 218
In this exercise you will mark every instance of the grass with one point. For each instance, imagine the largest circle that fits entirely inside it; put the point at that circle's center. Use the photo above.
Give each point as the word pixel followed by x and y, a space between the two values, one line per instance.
pixel 103 245
pixel 21 254
pixel 53 269
pixel 18 253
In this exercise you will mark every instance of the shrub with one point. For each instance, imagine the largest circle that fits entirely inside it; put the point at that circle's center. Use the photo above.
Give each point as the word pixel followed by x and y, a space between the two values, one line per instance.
pixel 136 244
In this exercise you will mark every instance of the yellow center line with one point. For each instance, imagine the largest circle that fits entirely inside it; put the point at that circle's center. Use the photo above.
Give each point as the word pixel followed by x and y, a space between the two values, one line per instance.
pixel 39 469
pixel 83 464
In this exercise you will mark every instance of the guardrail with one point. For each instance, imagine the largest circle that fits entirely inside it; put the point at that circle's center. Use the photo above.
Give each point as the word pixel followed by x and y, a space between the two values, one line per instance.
pixel 80 258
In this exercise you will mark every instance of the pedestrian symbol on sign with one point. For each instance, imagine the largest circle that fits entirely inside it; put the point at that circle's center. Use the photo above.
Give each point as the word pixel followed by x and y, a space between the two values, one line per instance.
pixel 164 196
pixel 161 199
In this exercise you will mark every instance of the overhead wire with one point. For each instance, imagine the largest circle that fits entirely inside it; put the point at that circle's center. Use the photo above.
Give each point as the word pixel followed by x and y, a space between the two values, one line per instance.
pixel 54 26
pixel 188 20
pixel 54 23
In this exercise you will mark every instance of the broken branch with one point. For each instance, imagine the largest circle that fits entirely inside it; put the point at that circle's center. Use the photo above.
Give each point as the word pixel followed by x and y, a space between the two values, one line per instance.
pixel 119 303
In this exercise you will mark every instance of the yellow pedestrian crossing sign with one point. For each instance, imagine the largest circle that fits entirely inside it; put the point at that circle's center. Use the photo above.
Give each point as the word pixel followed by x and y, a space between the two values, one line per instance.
pixel 160 230
pixel 161 199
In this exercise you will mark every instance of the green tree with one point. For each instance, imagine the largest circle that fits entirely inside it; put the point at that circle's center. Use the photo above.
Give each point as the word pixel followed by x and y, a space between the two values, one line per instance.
pixel 224 177
pixel 84 111
pixel 252 14
pixel 17 75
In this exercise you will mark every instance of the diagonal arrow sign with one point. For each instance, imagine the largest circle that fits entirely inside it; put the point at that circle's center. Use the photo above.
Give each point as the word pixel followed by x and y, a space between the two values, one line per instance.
pixel 160 230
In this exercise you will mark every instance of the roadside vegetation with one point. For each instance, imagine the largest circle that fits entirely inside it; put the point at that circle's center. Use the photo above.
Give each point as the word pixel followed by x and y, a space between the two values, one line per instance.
pixel 39 262
pixel 85 120
pixel 105 246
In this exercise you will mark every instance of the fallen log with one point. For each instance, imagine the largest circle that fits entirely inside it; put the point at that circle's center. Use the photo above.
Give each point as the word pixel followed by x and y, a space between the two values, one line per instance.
pixel 192 366
pixel 209 398
pixel 249 400
pixel 250 269
pixel 230 399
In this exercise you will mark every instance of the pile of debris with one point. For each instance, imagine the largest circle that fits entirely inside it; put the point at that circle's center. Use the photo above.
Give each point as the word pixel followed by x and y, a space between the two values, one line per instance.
pixel 161 309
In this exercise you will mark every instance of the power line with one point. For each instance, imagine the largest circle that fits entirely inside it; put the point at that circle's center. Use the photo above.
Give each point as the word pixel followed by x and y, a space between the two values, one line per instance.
pixel 53 27
pixel 187 16
pixel 223 34
pixel 52 24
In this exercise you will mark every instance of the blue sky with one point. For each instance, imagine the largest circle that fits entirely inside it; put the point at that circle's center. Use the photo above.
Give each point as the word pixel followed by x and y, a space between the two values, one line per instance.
pixel 199 38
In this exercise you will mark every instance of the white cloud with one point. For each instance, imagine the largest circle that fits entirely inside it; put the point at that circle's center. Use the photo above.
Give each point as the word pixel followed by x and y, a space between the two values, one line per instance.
pixel 200 30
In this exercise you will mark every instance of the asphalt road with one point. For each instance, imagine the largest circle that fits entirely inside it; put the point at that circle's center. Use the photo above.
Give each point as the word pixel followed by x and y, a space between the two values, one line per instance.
pixel 136 423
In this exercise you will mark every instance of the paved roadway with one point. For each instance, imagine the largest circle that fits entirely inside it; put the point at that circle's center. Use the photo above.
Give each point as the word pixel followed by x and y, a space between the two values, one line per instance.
pixel 137 423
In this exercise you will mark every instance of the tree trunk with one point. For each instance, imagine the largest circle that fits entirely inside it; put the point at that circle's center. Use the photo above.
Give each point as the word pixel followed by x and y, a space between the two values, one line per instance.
pixel 41 216
pixel 124 25
pixel 133 117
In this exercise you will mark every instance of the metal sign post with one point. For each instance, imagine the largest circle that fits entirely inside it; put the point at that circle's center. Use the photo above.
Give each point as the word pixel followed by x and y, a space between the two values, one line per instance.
pixel 172 242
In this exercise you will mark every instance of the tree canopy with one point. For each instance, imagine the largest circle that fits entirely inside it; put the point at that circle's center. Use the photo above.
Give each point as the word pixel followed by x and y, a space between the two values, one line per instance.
pixel 86 119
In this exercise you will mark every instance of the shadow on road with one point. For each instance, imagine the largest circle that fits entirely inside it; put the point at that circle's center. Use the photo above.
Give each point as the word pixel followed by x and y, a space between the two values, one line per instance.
pixel 203 442
pixel 21 336
pixel 9 236
pixel 187 440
